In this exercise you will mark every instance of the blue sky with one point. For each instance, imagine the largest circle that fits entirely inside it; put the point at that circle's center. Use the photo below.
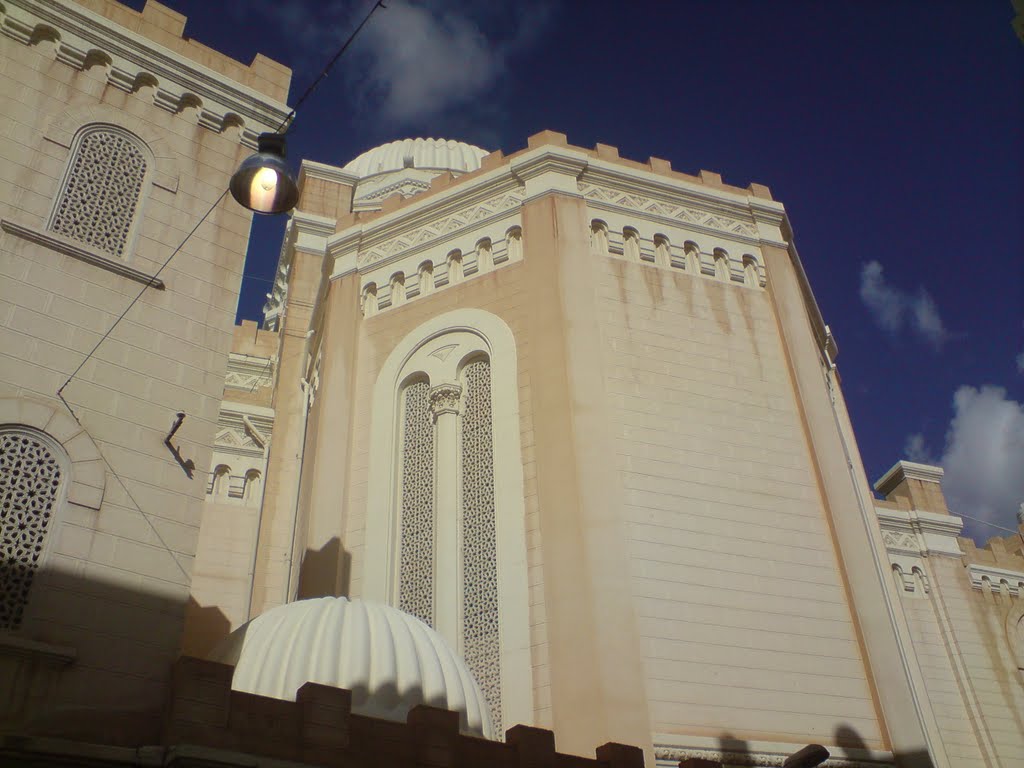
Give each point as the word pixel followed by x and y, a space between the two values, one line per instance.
pixel 892 132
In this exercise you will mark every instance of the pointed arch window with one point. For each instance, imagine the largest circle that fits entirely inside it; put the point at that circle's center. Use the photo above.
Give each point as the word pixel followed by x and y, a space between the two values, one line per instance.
pixel 33 471
pixel 103 189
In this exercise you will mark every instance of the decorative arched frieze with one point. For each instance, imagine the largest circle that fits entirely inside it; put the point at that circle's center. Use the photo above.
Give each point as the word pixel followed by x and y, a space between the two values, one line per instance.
pixel 441 353
pixel 66 125
pixel 131 59
pixel 87 473
pixel 666 209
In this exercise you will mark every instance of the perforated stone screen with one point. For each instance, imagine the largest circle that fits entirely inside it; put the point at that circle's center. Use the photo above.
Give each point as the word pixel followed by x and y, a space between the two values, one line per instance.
pixel 30 480
pixel 481 648
pixel 101 192
pixel 416 541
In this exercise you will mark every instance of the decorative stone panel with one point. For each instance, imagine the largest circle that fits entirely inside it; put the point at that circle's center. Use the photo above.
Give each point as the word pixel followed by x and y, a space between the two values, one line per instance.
pixel 103 188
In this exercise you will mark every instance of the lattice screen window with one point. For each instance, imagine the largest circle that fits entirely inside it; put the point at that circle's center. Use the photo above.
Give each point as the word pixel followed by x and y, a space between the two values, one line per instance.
pixel 481 648
pixel 102 190
pixel 31 478
pixel 416 543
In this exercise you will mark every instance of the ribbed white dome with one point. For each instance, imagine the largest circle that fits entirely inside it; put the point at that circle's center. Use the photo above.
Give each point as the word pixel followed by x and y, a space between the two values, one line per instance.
pixel 391 661
pixel 442 154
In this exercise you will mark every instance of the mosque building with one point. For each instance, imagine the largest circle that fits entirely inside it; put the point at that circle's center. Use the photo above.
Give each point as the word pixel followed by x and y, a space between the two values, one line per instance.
pixel 537 459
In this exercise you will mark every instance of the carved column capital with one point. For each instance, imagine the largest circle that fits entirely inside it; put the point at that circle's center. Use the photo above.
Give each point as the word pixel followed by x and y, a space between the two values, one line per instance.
pixel 445 398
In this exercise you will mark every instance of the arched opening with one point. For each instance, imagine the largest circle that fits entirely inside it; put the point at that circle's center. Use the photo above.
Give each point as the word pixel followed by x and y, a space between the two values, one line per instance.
pixel 33 477
pixel 631 244
pixel 691 252
pixel 455 273
pixel 426 278
pixel 103 189
pixel 220 482
pixel 721 264
pixel 599 237
pixel 484 254
pixel 369 300
pixel 750 272
pixel 397 289
pixel 514 243
pixel 662 251
pixel 251 490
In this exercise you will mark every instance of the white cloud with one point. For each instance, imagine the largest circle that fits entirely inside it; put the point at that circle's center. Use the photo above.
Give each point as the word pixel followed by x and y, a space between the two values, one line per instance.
pixel 984 458
pixel 428 58
pixel 424 60
pixel 413 60
pixel 893 308
pixel 915 449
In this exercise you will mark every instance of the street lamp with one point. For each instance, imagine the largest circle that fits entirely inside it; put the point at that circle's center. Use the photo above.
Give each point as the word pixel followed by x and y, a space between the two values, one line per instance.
pixel 262 182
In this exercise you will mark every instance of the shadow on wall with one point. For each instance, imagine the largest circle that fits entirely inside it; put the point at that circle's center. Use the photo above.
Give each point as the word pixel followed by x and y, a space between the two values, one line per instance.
pixel 91 658
pixel 325 572
pixel 207 626
pixel 847 745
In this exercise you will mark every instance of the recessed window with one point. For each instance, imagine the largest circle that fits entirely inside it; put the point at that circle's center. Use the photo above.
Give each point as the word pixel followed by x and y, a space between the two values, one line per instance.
pixel 32 475
pixel 102 190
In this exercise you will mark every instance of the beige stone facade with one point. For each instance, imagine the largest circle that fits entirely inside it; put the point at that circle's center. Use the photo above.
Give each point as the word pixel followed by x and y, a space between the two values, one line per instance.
pixel 579 414
pixel 88 87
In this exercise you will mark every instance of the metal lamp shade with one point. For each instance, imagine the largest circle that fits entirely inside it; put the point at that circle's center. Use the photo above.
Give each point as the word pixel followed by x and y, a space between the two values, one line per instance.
pixel 263 182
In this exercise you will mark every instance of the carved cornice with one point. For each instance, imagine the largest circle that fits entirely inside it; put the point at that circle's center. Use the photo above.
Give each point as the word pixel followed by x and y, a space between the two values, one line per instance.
pixel 444 225
pixel 244 430
pixel 601 196
pixel 132 55
pixel 919 533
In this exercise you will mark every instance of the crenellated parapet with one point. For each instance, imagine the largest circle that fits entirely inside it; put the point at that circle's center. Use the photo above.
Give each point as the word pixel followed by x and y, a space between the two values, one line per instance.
pixel 319 728
pixel 145 53
pixel 444 227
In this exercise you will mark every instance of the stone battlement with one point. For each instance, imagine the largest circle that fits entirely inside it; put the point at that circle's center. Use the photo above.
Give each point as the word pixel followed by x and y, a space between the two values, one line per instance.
pixel 319 728
pixel 146 53
pixel 497 158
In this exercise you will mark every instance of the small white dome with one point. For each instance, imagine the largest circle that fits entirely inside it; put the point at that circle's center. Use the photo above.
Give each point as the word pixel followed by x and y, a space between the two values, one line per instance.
pixel 391 661
pixel 439 154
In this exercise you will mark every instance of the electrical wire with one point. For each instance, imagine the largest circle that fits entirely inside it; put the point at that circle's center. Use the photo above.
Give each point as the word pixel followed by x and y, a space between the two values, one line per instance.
pixel 283 127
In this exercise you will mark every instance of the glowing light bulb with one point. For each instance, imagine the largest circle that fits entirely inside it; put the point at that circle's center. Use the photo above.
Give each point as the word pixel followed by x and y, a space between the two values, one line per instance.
pixel 263 189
